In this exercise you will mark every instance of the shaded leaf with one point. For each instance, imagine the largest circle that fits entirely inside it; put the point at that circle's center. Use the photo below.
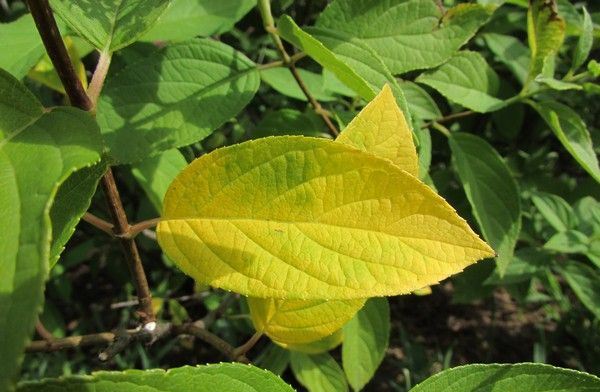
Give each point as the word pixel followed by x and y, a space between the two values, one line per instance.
pixel 318 373
pixel 511 52
pixel 585 282
pixel 555 210
pixel 584 45
pixel 282 81
pixel 572 132
pixel 492 193
pixel 155 174
pixel 366 338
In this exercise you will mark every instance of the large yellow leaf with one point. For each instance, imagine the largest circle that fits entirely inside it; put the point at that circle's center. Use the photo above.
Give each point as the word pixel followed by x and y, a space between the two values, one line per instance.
pixel 304 218
pixel 297 322
pixel 381 129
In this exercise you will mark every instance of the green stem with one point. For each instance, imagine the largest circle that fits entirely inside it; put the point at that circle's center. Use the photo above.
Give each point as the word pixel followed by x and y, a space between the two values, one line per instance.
pixel 442 129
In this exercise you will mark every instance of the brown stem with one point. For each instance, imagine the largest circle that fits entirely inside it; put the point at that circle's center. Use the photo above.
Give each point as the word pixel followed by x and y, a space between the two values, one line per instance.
pixel 269 25
pixel 293 59
pixel 225 348
pixel 98 222
pixel 141 226
pixel 70 342
pixel 448 118
pixel 43 332
pixel 244 348
pixel 55 47
pixel 134 262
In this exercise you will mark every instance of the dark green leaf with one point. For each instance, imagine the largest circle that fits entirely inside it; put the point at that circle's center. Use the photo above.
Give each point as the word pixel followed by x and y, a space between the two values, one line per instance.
pixel 318 372
pixel 572 132
pixel 585 282
pixel 366 338
pixel 492 192
pixel 467 80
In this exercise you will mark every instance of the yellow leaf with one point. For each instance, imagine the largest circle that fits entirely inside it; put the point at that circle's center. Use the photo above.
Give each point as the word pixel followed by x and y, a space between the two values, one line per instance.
pixel 381 129
pixel 320 346
pixel 297 322
pixel 424 291
pixel 305 218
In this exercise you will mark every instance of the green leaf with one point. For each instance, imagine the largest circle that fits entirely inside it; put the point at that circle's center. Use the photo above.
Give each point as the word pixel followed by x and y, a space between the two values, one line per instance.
pixel 510 52
pixel 556 84
pixel 288 30
pixel 572 132
pixel 584 45
pixel 186 19
pixel 298 196
pixel 282 81
pixel 526 263
pixel 175 97
pixel 72 201
pixel 420 103
pixel 571 241
pixel 319 372
pixel 492 192
pixel 155 174
pixel 290 122
pixel 585 282
pixel 223 377
pixel 545 34
pixel 467 80
pixel 520 377
pixel 555 210
pixel 407 35
pixel 110 25
pixel 39 149
pixel 20 45
pixel 354 63
pixel 273 358
pixel 366 338
pixel 587 210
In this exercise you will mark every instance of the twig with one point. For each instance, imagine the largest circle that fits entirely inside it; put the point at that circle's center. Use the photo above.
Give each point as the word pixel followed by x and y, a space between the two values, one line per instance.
pixel 141 226
pixel 134 262
pixel 280 63
pixel 448 118
pixel 98 222
pixel 119 341
pixel 210 318
pixel 55 47
pixel 269 25
pixel 225 348
pixel 43 332
pixel 244 348
pixel 442 129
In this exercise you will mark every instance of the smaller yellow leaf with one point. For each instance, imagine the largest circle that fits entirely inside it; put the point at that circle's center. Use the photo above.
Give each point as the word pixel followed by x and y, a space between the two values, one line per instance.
pixel 381 129
pixel 320 346
pixel 424 291
pixel 297 322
